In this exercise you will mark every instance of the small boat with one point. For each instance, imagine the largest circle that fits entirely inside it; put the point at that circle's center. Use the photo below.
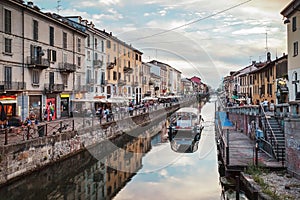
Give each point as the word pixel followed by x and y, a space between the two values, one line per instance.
pixel 185 129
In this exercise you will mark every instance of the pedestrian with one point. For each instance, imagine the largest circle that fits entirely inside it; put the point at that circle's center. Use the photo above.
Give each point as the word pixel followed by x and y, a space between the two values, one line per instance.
pixel 272 106
pixel 265 104
pixel 3 117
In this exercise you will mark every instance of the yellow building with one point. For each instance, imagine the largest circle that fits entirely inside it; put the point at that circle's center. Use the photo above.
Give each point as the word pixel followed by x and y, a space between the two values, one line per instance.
pixel 123 65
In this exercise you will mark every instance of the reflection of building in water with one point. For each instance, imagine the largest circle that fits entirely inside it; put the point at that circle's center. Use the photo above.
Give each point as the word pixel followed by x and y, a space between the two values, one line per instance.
pixel 83 176
pixel 124 163
pixel 90 184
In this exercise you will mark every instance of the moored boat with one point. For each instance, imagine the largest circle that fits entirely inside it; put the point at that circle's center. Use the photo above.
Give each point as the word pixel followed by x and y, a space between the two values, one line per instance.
pixel 185 129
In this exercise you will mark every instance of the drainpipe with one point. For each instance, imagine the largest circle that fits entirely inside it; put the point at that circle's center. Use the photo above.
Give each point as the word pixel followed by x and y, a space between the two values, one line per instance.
pixel 23 67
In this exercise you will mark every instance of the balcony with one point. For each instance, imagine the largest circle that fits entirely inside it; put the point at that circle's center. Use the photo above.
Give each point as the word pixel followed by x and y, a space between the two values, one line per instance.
pixel 135 84
pixel 111 65
pixel 80 88
pixel 141 73
pixel 97 63
pixel 54 88
pixel 151 83
pixel 144 82
pixel 67 67
pixel 121 82
pixel 11 86
pixel 128 70
pixel 103 82
pixel 38 62
pixel 91 81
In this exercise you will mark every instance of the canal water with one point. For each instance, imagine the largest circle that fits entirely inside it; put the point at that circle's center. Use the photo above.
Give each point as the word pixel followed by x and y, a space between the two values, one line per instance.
pixel 131 167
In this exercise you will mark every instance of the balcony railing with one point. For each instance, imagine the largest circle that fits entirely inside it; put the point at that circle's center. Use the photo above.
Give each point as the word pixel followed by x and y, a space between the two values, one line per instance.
pixel 128 70
pixel 98 63
pixel 151 83
pixel 121 82
pixel 38 62
pixel 91 81
pixel 54 88
pixel 144 82
pixel 80 88
pixel 12 86
pixel 135 84
pixel 141 73
pixel 110 65
pixel 67 67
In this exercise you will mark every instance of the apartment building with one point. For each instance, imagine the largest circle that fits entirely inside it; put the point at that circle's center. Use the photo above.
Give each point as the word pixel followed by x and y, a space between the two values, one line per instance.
pixel 41 61
pixel 95 60
pixel 268 82
pixel 146 77
pixel 292 20
pixel 123 65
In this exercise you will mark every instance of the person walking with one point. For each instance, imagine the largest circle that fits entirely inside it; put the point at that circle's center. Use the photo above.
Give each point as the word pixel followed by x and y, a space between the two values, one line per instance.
pixel 265 105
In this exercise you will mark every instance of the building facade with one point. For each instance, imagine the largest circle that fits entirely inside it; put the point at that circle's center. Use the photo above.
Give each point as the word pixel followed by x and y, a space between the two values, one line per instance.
pixel 45 50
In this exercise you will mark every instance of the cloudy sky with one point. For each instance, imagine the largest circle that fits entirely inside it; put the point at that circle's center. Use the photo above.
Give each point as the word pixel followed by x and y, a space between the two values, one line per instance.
pixel 204 38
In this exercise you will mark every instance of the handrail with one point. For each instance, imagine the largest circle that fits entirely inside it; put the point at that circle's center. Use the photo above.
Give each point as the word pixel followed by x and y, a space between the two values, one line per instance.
pixel 269 127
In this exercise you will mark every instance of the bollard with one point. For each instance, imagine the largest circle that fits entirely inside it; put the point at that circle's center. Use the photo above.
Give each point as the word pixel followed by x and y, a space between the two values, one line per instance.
pixel 256 154
pixel 73 124
pixel 237 189
pixel 5 141
pixel 60 127
pixel 28 130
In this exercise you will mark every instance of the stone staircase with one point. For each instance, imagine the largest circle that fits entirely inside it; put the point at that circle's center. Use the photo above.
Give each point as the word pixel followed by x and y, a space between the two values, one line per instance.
pixel 279 136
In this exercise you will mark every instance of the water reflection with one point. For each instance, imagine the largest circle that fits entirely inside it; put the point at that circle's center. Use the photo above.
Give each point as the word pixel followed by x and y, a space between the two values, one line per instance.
pixel 130 167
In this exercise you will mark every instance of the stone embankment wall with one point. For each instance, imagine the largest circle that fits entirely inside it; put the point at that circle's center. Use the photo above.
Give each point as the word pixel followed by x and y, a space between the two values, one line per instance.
pixel 292 138
pixel 27 156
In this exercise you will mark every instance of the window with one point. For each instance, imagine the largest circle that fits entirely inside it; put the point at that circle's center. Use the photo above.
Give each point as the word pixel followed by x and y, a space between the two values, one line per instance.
pixel 65 79
pixel 88 76
pixel 88 55
pixel 96 77
pixel 78 44
pixel 35 76
pixel 79 61
pixel 7 48
pixel 114 75
pixel 51 36
pixel 295 48
pixel 35 30
pixel 65 40
pixel 51 78
pixel 51 55
pixel 294 24
pixel 115 47
pixel 108 44
pixel 7 18
pixel 102 46
pixel 7 75
pixel 88 41
pixel 96 43
pixel 96 56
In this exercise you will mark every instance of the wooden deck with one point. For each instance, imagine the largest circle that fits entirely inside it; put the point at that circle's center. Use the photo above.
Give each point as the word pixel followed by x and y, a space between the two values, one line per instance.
pixel 238 151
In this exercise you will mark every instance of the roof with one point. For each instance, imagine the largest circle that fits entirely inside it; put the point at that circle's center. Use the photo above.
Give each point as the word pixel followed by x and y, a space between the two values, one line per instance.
pixel 291 8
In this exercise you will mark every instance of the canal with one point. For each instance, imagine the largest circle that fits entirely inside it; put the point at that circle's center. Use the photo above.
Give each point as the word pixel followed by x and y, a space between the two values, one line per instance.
pixel 140 166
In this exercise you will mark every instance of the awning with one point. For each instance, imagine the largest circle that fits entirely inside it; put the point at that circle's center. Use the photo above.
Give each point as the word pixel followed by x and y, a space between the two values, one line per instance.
pixel 234 97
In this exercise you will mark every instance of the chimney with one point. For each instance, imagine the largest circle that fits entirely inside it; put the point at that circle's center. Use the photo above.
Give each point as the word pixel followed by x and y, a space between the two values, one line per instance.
pixel 110 33
pixel 253 62
pixel 30 4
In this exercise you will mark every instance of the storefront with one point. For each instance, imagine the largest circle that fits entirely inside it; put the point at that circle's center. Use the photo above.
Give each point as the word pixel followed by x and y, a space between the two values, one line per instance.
pixel 10 104
pixel 50 110
pixel 35 106
pixel 65 105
